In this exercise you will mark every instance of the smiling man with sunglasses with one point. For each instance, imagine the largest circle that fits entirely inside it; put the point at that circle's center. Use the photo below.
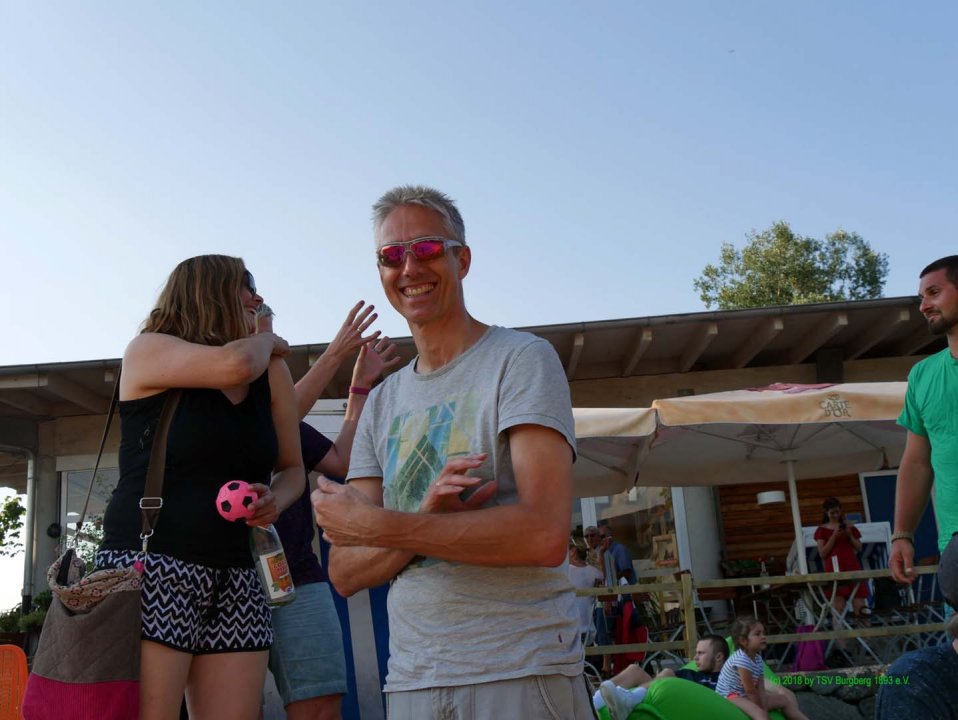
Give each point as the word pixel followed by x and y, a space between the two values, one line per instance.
pixel 456 452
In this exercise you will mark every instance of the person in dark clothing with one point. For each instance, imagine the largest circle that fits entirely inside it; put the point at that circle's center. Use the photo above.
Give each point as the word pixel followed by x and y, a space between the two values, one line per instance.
pixel 307 658
pixel 921 684
pixel 839 543
pixel 205 616
pixel 617 556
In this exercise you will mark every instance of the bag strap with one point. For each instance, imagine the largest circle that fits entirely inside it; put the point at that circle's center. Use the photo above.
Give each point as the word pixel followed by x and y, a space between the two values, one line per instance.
pixel 99 455
pixel 153 489
pixel 152 501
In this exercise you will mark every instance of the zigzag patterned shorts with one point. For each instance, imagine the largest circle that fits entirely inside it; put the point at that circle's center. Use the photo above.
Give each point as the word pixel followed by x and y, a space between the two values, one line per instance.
pixel 198 609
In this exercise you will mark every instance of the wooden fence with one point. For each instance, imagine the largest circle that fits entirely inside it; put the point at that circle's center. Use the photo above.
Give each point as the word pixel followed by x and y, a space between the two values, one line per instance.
pixel 684 592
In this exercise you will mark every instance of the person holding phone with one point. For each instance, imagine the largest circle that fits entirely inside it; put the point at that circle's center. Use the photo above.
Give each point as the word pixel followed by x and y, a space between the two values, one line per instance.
pixel 839 543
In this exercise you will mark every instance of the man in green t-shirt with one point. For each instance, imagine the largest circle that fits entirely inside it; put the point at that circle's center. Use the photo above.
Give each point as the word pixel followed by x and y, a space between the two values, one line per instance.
pixel 931 418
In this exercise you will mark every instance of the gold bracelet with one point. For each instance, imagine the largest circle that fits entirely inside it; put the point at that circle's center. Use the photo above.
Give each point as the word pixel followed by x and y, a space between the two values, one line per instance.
pixel 910 537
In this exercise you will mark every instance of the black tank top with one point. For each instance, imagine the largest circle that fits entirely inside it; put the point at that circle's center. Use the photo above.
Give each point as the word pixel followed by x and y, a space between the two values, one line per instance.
pixel 211 441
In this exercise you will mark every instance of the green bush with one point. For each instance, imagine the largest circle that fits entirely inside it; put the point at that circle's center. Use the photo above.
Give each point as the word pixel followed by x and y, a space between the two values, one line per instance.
pixel 10 620
pixel 32 622
pixel 14 620
pixel 42 600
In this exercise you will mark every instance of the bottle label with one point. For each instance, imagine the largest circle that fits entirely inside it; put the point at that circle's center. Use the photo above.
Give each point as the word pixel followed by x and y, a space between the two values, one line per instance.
pixel 276 571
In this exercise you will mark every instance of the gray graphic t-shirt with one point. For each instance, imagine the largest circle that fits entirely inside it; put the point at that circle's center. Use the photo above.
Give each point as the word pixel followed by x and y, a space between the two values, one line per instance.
pixel 454 623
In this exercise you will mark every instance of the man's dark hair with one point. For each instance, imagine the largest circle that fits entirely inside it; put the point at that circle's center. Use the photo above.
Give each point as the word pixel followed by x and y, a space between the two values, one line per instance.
pixel 949 264
pixel 719 646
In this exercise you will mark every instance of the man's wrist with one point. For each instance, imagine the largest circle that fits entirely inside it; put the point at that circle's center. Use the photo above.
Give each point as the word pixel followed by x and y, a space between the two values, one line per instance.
pixel 902 535
pixel 358 390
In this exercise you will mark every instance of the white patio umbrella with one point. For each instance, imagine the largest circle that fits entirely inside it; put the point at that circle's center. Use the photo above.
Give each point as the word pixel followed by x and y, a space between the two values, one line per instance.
pixel 780 432
pixel 611 443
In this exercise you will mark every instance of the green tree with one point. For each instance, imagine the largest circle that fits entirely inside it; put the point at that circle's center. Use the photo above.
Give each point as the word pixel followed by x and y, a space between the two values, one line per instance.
pixel 779 267
pixel 11 523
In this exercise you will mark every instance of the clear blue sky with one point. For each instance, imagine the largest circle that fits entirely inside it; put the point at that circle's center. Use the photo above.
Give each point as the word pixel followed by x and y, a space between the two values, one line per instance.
pixel 600 152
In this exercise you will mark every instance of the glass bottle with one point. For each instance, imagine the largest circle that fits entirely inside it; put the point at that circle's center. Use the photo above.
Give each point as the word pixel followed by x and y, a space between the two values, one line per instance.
pixel 271 565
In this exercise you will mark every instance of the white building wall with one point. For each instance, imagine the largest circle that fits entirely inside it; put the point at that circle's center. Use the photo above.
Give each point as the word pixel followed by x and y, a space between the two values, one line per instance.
pixel 702 537
pixel 47 504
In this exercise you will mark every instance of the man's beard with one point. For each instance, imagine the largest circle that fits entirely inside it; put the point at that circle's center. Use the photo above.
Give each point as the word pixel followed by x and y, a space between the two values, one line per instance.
pixel 941 325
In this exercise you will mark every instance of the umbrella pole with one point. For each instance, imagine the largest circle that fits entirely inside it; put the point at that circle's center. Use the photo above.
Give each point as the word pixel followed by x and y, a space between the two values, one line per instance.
pixel 796 518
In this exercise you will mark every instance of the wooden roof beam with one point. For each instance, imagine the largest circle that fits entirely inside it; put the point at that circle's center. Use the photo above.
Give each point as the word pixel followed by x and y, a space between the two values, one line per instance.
pixel 54 383
pixel 766 331
pixel 572 365
pixel 877 332
pixel 693 351
pixel 75 393
pixel 642 341
pixel 832 324
pixel 27 402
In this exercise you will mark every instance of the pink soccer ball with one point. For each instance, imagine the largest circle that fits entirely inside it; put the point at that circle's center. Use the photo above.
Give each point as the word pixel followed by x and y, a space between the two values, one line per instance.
pixel 235 499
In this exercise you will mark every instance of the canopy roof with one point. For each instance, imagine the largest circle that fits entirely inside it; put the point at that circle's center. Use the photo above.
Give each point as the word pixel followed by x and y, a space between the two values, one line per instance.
pixel 741 436
pixel 747 436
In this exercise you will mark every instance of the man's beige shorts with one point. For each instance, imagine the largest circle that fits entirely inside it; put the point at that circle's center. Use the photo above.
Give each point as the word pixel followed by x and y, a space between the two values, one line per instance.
pixel 541 697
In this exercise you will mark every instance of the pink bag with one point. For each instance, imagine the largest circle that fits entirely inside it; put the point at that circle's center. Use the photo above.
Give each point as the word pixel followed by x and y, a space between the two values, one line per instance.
pixel 809 654
pixel 87 666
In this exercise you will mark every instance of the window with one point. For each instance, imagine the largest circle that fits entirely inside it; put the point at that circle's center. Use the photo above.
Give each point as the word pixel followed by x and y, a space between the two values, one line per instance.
pixel 75 484
pixel 642 520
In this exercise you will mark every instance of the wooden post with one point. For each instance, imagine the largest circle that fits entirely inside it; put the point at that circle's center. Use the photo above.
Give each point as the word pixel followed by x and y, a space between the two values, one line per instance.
pixel 688 605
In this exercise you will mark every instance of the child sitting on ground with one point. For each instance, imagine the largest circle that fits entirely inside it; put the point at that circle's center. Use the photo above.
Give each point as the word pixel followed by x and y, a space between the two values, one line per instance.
pixel 742 678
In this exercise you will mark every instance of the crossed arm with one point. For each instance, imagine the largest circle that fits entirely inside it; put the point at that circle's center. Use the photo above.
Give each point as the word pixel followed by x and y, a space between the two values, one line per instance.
pixel 371 545
pixel 154 362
